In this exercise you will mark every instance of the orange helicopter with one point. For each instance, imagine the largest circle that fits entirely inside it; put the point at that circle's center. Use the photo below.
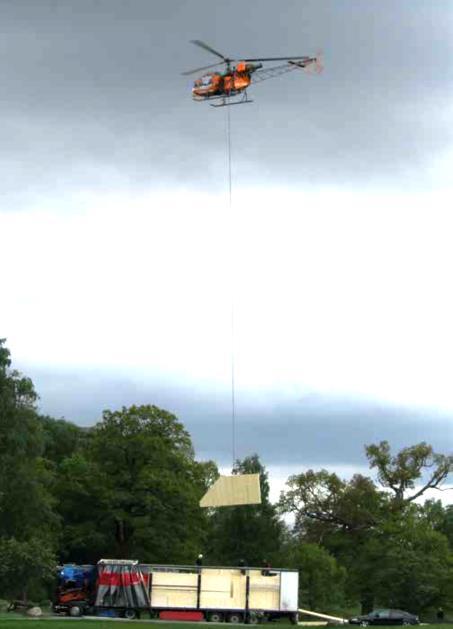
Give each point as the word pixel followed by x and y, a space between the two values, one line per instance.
pixel 235 80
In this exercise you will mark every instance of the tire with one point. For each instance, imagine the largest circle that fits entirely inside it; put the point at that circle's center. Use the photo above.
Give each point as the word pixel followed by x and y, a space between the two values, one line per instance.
pixel 75 611
pixel 253 619
pixel 215 617
pixel 130 614
pixel 235 618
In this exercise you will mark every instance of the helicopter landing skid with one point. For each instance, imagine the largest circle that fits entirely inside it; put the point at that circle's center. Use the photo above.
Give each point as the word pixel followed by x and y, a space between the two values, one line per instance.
pixel 240 102
pixel 224 102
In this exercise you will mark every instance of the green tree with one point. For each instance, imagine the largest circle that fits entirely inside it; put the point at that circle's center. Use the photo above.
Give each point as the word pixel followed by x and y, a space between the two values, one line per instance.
pixel 133 490
pixel 447 526
pixel 440 518
pixel 411 563
pixel 383 539
pixel 25 566
pixel 337 504
pixel 27 518
pixel 252 533
pixel 341 515
pixel 84 507
pixel 434 514
pixel 402 471
pixel 321 579
pixel 61 438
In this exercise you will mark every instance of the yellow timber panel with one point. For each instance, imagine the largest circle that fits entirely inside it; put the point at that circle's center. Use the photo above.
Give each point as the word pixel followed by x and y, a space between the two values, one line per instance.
pixel 240 489
pixel 174 589
pixel 264 591
pixel 238 587
pixel 215 589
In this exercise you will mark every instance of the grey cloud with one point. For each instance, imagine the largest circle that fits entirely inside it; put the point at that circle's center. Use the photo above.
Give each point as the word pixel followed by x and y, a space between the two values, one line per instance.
pixel 311 431
pixel 91 94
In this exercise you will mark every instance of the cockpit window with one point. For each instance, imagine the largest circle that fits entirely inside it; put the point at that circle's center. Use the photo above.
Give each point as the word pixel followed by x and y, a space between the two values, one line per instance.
pixel 206 80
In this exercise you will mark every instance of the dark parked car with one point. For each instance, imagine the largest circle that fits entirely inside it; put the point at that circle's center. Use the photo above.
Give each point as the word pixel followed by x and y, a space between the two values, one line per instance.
pixel 385 617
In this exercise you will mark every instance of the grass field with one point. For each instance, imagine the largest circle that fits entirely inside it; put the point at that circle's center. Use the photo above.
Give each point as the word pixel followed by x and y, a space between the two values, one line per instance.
pixel 82 623
pixel 19 622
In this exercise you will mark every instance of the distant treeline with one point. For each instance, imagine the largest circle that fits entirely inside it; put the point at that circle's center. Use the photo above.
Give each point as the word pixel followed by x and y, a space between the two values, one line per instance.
pixel 129 487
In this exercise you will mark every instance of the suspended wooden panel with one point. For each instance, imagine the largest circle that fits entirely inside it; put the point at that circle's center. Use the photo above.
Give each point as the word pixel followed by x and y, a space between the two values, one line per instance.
pixel 229 491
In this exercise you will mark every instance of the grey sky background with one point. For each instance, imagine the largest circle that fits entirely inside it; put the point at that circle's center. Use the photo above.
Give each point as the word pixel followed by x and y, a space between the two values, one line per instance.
pixel 92 96
pixel 315 430
pixel 120 256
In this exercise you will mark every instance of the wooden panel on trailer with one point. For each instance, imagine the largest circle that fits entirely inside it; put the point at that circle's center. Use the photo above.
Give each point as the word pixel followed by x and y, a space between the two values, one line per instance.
pixel 264 590
pixel 174 589
pixel 215 589
pixel 221 588
pixel 240 489
pixel 238 590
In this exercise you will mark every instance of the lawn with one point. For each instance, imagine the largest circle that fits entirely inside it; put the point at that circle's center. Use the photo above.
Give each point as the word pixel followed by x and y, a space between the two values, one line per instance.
pixel 19 622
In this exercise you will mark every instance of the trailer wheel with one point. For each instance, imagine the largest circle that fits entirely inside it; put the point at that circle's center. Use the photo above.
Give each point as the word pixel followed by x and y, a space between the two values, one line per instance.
pixel 130 614
pixel 255 618
pixel 235 618
pixel 75 611
pixel 215 617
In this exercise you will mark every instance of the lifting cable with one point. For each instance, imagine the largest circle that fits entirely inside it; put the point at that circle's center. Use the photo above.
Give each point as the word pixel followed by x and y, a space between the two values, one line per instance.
pixel 232 278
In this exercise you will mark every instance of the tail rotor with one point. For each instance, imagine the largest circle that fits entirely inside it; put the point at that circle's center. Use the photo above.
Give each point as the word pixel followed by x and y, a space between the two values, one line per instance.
pixel 316 65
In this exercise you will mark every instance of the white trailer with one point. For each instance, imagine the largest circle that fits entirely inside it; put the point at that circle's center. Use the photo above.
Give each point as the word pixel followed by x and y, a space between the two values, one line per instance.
pixel 239 594
pixel 212 593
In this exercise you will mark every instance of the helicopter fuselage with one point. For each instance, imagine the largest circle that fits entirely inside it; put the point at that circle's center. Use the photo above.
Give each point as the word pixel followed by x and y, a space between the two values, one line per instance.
pixel 228 83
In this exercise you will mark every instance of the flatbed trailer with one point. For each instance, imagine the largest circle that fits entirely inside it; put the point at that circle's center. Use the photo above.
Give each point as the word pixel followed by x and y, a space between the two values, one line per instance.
pixel 182 592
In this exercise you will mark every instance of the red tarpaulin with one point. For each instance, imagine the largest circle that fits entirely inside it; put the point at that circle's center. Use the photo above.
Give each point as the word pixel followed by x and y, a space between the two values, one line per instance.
pixel 121 584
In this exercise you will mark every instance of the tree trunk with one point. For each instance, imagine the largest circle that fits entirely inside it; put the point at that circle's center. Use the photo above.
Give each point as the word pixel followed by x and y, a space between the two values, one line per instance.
pixel 367 602
pixel 122 539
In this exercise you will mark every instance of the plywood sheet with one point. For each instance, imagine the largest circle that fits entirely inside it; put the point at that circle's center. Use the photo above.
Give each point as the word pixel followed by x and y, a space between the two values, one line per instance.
pixel 173 589
pixel 228 491
pixel 264 590
pixel 217 590
pixel 223 589
pixel 238 588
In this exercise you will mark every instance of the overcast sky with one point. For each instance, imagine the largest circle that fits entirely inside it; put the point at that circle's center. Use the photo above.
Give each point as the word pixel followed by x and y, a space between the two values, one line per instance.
pixel 121 257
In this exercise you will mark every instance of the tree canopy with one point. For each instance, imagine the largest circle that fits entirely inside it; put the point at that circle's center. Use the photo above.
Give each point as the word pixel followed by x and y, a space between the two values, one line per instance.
pixel 402 471
pixel 137 477
pixel 28 520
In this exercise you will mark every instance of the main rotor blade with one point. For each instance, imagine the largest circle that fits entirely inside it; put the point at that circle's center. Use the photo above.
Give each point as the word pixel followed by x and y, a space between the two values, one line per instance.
pixel 201 44
pixel 213 65
pixel 298 58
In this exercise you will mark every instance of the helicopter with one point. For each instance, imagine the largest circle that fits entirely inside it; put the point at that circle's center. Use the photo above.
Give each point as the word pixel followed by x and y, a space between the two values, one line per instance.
pixel 235 80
